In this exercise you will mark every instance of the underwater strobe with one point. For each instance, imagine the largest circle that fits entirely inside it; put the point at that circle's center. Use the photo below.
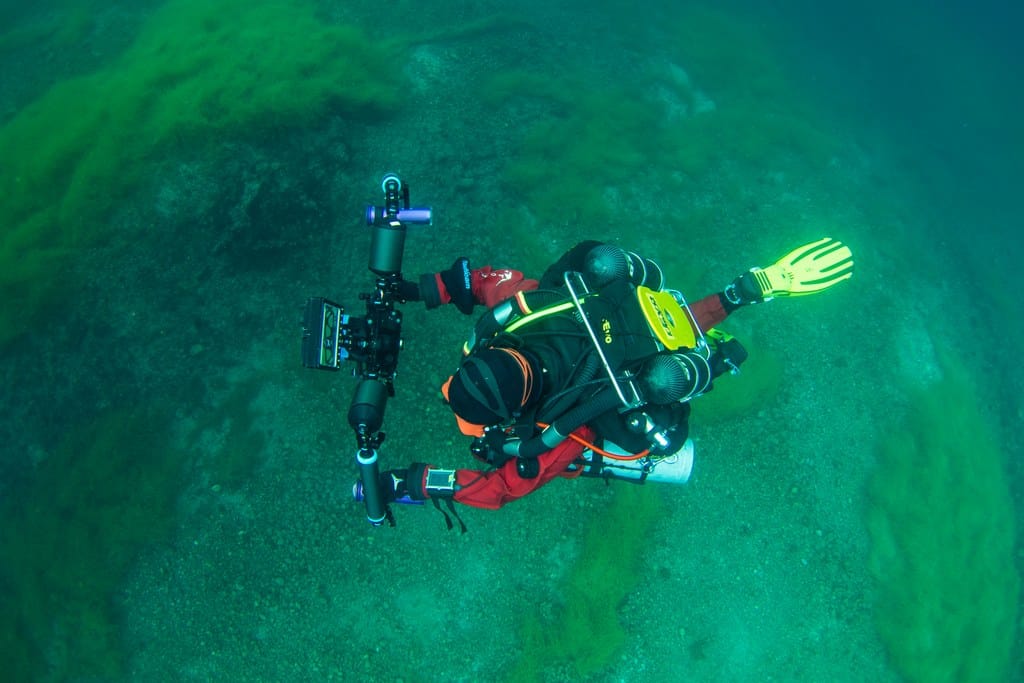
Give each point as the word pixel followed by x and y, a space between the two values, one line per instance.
pixel 372 342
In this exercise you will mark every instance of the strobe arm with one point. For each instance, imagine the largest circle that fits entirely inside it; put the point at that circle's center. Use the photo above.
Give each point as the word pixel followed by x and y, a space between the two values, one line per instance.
pixel 366 416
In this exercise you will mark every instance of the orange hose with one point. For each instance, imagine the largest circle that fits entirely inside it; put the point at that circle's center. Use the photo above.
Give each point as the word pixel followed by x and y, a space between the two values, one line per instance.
pixel 613 456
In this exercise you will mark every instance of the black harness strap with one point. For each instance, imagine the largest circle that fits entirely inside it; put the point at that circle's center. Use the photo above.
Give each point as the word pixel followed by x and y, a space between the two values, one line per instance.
pixel 451 508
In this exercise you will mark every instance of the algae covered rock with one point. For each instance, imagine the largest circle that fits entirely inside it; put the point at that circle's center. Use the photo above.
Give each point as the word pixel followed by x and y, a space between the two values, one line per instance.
pixel 197 74
pixel 942 534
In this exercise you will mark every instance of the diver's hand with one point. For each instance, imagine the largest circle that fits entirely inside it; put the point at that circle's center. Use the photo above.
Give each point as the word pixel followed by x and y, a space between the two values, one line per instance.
pixel 449 286
pixel 393 485
pixel 458 281
pixel 409 291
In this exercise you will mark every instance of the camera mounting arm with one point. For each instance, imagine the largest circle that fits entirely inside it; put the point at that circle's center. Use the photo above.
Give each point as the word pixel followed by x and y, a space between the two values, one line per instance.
pixel 366 417
pixel 372 342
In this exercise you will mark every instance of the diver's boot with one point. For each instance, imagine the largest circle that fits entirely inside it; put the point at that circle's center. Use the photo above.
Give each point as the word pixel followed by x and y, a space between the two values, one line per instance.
pixel 744 290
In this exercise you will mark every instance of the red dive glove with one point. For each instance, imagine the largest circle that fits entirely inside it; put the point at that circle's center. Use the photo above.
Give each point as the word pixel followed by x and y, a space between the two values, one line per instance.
pixel 465 287
pixel 491 287
pixel 449 286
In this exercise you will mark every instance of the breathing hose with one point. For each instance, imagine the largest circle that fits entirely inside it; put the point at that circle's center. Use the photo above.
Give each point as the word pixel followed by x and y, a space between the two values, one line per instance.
pixel 559 430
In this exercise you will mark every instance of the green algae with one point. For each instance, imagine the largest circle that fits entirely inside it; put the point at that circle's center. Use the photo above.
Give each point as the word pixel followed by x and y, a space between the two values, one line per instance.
pixel 196 73
pixel 942 540
pixel 66 542
pixel 587 635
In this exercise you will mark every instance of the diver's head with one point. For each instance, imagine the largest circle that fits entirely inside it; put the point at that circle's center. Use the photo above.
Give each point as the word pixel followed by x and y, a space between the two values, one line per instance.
pixel 606 263
pixel 491 387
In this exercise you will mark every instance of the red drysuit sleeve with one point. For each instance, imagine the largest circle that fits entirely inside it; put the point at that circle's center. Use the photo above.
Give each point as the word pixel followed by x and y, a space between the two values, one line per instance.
pixel 493 489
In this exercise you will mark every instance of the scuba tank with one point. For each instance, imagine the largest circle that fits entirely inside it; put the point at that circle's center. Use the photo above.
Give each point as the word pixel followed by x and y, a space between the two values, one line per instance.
pixel 666 469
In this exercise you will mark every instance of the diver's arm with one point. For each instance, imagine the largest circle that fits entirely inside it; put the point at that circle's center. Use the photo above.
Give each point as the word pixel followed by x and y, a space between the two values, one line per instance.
pixel 492 489
pixel 465 287
pixel 488 489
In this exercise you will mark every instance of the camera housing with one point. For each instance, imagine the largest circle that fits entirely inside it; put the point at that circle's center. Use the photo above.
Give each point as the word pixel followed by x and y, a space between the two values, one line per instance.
pixel 372 342
pixel 331 337
pixel 322 335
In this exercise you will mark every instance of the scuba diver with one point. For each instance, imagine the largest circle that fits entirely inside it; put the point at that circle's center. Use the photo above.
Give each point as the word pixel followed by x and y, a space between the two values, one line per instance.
pixel 589 371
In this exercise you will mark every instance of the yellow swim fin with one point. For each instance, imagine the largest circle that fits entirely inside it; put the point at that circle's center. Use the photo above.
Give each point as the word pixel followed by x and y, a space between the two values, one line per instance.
pixel 809 269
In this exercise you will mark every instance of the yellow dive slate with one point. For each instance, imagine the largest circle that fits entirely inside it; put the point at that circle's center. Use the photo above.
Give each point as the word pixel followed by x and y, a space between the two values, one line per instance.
pixel 667 319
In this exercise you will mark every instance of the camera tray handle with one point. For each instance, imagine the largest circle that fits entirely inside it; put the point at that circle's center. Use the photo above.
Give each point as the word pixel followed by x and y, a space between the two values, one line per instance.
pixel 366 417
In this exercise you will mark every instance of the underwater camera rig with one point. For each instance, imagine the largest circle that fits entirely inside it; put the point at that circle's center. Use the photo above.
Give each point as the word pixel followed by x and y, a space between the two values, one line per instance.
pixel 331 337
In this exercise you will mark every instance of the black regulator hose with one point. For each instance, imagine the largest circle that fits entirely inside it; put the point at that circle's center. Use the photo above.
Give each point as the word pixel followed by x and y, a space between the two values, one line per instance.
pixel 566 398
pixel 560 429
pixel 666 379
